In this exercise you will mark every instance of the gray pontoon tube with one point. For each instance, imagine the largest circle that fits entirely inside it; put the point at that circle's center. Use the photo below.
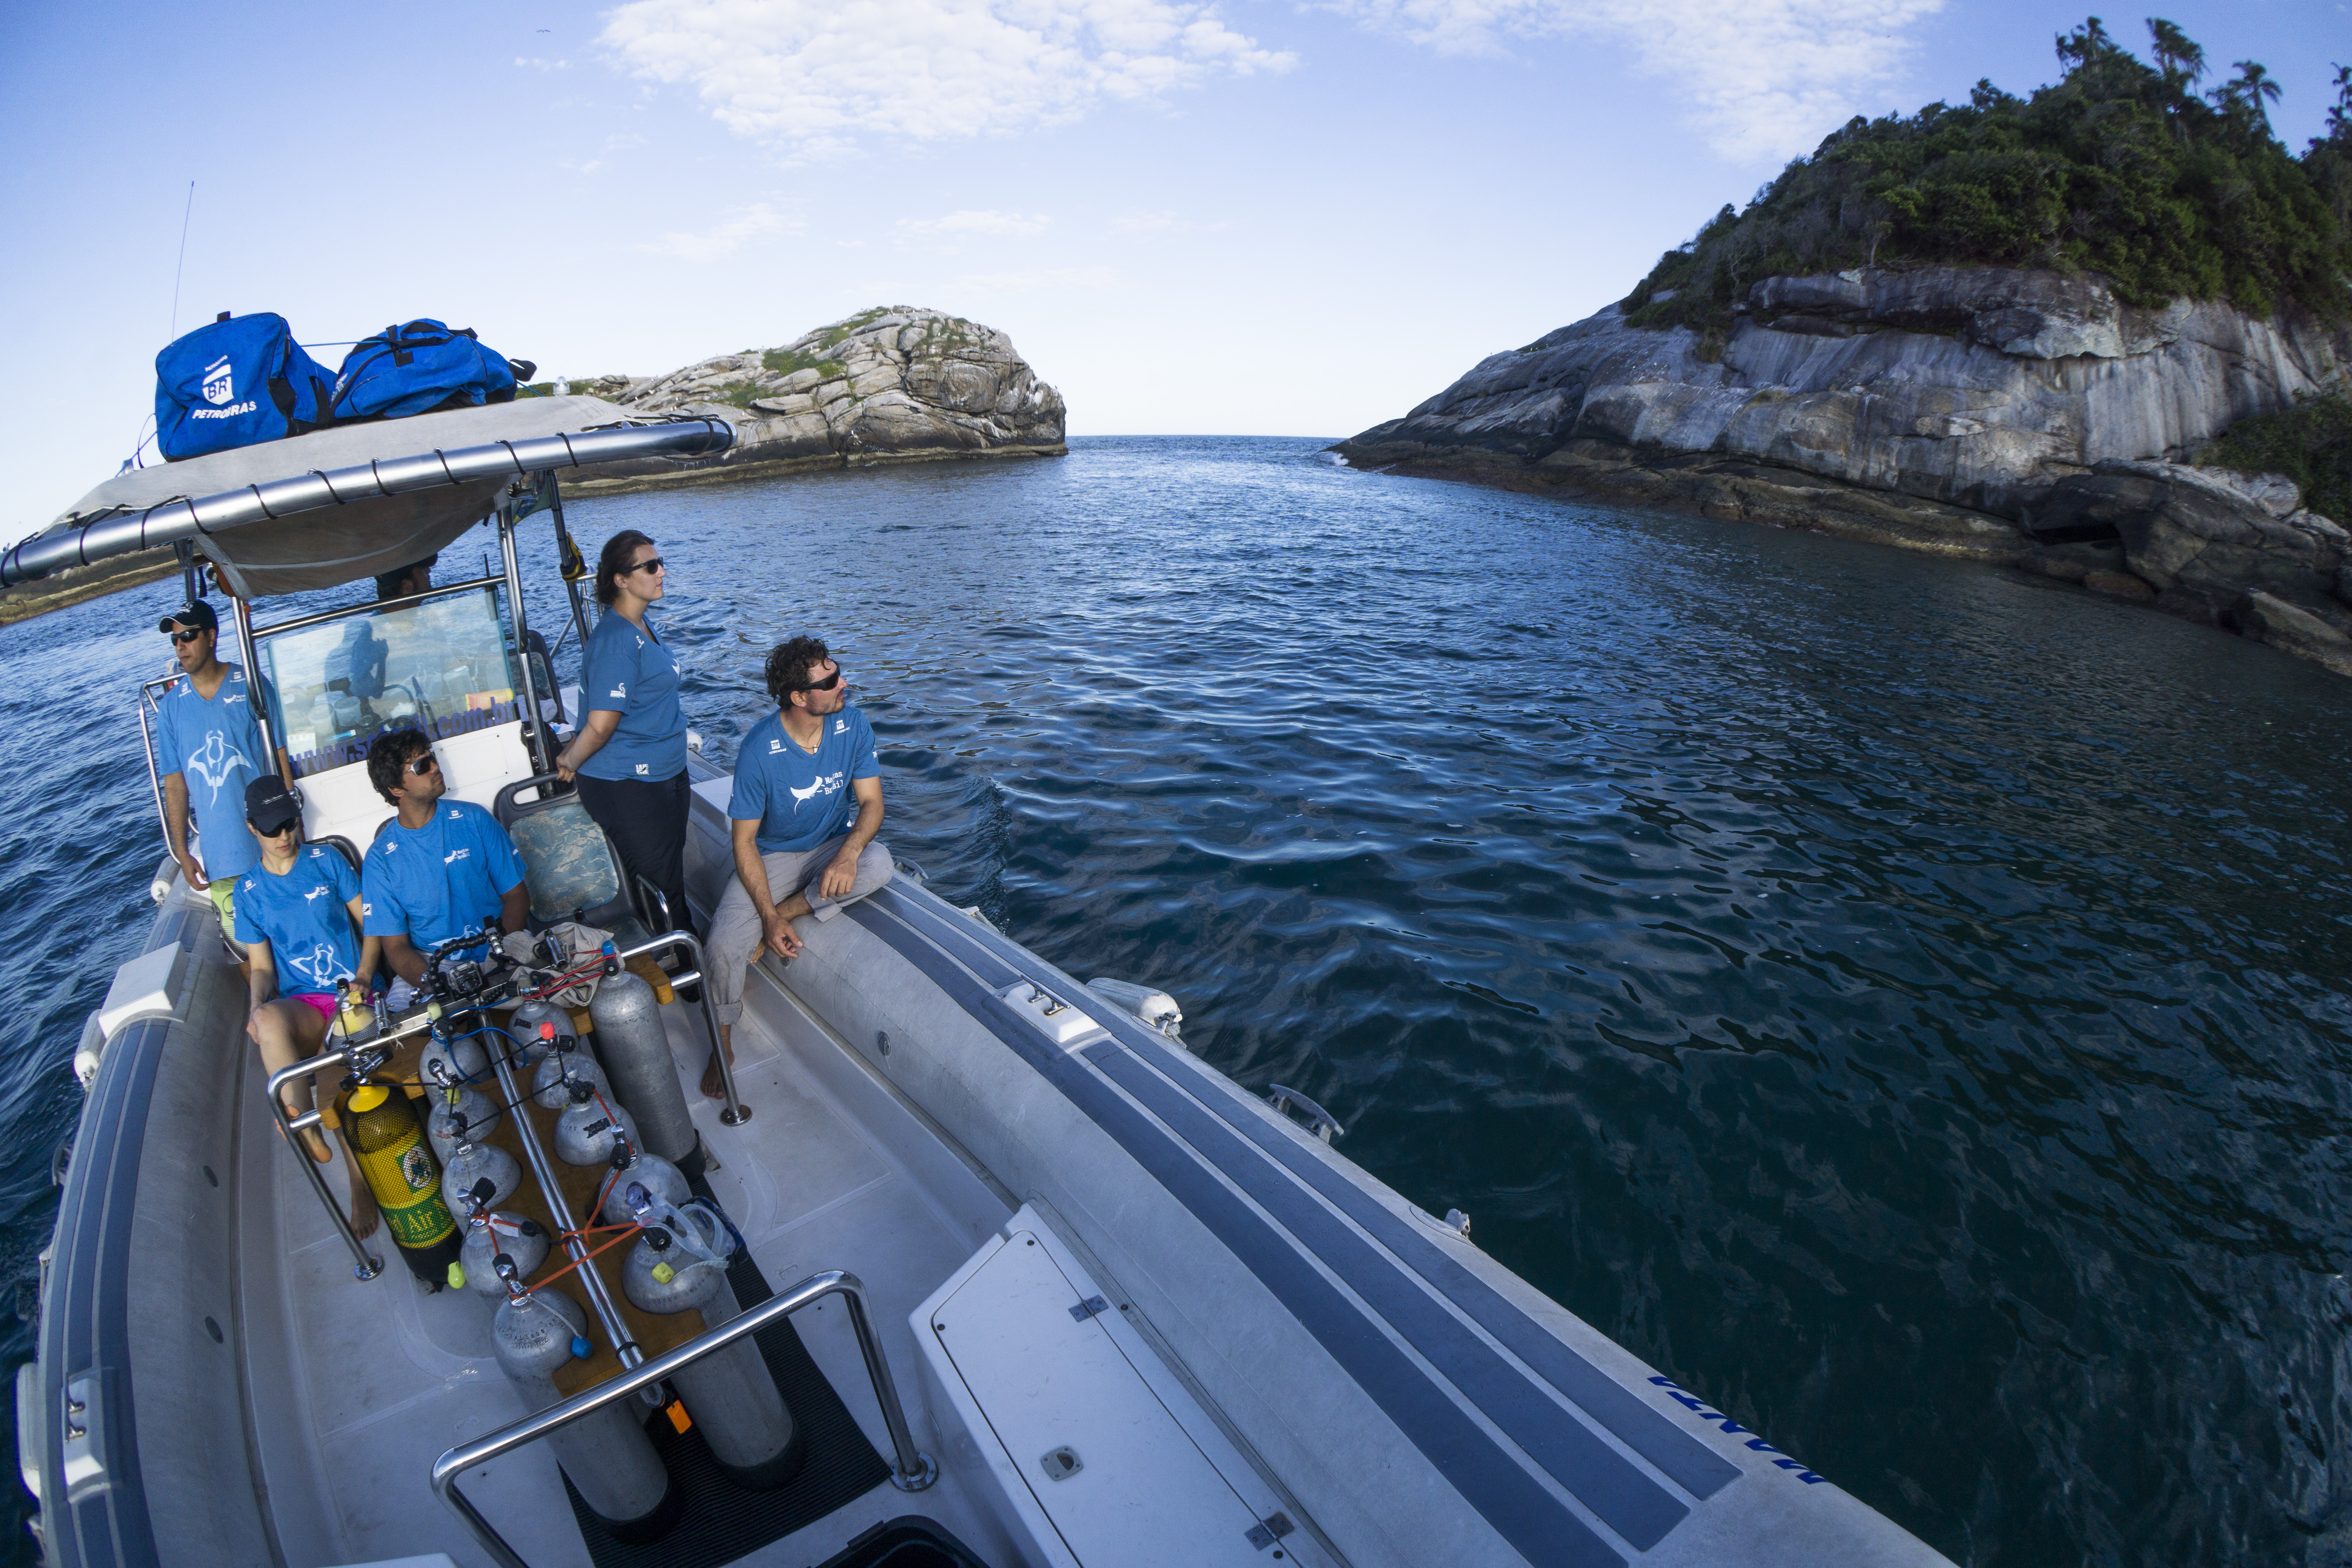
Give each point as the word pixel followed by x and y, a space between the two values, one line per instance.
pixel 171 520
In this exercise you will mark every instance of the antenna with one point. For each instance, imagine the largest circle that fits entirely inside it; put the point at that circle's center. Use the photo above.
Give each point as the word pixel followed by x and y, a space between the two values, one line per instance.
pixel 183 264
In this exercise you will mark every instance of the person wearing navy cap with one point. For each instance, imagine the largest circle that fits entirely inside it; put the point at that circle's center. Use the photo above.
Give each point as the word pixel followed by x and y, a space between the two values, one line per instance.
pixel 298 913
pixel 208 747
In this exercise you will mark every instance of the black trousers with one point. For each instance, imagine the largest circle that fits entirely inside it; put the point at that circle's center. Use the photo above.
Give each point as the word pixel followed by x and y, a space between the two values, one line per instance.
pixel 647 822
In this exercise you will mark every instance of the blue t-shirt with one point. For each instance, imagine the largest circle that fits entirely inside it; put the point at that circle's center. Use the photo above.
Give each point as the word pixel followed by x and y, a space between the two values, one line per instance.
pixel 440 881
pixel 303 917
pixel 799 800
pixel 217 749
pixel 632 673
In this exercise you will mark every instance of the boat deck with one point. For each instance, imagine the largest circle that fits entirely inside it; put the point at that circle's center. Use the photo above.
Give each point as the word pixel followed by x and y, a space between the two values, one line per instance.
pixel 360 1387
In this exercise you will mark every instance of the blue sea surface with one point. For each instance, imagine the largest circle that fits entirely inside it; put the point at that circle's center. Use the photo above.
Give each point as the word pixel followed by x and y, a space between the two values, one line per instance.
pixel 1902 1001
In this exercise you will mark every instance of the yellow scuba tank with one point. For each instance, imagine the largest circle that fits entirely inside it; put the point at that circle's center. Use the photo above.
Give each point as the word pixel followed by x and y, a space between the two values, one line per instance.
pixel 388 1138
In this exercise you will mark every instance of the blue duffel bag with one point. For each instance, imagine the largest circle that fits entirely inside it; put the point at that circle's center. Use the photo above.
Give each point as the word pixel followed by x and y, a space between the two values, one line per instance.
pixel 241 380
pixel 419 367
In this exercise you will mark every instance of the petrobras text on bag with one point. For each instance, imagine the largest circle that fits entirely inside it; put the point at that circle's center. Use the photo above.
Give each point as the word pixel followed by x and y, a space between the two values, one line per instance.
pixel 233 411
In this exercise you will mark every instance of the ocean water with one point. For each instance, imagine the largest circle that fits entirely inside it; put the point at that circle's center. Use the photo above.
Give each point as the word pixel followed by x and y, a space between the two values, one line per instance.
pixel 1903 1002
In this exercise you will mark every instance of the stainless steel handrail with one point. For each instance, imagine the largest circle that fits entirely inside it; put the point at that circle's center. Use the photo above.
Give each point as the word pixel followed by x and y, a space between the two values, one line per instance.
pixel 575 1246
pixel 911 1469
pixel 363 1265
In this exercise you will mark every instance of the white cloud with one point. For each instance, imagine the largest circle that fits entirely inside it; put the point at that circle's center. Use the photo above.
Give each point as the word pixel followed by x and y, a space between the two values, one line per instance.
pixel 989 223
pixel 538 65
pixel 722 239
pixel 1762 79
pixel 817 74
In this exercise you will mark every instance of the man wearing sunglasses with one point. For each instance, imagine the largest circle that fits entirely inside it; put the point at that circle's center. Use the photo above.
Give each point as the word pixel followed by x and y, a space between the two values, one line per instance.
pixel 298 913
pixel 208 747
pixel 807 804
pixel 439 867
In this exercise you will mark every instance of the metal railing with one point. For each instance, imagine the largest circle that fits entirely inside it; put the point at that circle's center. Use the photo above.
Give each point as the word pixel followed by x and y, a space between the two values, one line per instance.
pixel 364 1266
pixel 911 1469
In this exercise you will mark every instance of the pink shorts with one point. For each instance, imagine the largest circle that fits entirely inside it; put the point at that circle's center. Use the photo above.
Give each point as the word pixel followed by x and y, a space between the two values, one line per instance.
pixel 326 1006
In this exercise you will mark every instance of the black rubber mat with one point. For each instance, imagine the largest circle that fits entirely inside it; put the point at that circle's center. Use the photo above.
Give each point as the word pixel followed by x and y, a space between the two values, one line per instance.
pixel 720 1522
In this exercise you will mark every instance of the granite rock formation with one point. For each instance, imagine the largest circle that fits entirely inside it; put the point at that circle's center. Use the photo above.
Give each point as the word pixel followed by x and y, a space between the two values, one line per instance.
pixel 892 384
pixel 2001 415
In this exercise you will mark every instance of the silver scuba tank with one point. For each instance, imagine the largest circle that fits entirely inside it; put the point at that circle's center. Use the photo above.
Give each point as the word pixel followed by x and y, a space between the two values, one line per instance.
pixel 660 1181
pixel 607 1455
pixel 568 1062
pixel 468 1165
pixel 488 1234
pixel 480 1118
pixel 634 1049
pixel 526 1047
pixel 586 1129
pixel 728 1393
pixel 464 1060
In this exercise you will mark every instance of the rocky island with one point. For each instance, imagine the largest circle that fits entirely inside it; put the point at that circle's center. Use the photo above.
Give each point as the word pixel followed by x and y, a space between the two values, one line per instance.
pixel 891 385
pixel 2069 380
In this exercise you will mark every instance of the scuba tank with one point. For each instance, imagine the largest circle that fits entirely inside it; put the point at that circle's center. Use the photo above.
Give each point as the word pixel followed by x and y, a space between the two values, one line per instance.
pixel 467 1118
pixel 525 1031
pixel 654 1175
pixel 588 1129
pixel 462 1060
pixel 398 1163
pixel 489 1234
pixel 679 1264
pixel 611 1461
pixel 469 1165
pixel 564 1064
pixel 635 1052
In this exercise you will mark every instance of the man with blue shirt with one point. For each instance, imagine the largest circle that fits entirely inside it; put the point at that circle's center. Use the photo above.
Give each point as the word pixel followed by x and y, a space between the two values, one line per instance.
pixel 438 868
pixel 208 747
pixel 298 910
pixel 807 804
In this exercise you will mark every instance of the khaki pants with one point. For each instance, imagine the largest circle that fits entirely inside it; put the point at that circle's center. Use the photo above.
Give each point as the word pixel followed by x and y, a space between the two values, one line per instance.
pixel 736 935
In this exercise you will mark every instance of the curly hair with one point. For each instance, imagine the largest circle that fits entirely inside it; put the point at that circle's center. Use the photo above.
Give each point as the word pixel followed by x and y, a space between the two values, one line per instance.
pixel 615 560
pixel 388 758
pixel 789 666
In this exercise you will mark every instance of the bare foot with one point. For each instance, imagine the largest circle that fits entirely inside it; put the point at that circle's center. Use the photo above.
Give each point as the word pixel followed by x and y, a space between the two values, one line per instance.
pixel 713 1086
pixel 364 1216
pixel 312 1138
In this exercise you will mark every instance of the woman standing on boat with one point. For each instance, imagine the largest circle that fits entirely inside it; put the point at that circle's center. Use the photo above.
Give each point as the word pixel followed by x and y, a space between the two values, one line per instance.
pixel 629 757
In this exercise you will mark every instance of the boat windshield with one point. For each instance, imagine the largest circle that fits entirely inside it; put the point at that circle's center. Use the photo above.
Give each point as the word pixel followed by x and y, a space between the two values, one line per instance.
pixel 441 665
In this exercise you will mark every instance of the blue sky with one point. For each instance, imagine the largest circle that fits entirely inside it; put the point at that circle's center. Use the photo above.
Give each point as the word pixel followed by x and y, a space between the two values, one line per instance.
pixel 1235 217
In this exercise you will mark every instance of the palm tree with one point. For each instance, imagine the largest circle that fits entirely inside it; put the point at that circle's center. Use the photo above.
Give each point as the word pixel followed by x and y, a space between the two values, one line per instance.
pixel 2241 99
pixel 2182 61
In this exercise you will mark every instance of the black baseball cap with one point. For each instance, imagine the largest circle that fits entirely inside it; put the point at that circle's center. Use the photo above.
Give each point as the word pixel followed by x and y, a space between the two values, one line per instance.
pixel 195 615
pixel 270 805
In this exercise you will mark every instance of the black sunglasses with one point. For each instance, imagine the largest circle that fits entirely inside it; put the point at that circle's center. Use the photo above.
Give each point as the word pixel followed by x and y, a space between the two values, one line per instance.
pixel 188 636
pixel 828 684
pixel 425 764
pixel 653 566
pixel 273 832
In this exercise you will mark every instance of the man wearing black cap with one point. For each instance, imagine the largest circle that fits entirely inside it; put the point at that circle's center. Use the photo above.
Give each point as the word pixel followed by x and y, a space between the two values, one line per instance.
pixel 208 747
pixel 298 913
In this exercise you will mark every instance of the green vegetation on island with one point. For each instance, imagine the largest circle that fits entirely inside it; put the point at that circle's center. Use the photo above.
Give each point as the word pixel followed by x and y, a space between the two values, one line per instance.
pixel 2310 443
pixel 2120 169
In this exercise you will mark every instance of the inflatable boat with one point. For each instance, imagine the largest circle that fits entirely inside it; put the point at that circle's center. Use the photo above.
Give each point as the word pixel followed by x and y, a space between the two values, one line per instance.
pixel 973 1262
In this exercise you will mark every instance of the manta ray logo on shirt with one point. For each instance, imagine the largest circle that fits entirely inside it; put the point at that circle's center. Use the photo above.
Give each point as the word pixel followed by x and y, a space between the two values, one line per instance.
pixel 215 761
pixel 826 785
pixel 318 966
pixel 316 893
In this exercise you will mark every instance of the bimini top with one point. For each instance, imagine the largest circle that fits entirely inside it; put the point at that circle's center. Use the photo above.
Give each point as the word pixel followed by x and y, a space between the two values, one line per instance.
pixel 329 508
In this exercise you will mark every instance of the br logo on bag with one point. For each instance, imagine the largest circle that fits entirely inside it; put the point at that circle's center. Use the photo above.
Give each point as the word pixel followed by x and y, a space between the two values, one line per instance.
pixel 219 387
